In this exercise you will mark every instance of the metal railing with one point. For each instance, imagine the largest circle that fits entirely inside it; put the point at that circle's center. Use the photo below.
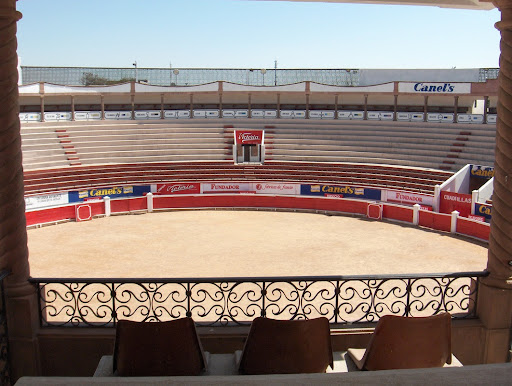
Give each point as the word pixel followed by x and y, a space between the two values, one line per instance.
pixel 237 301
pixel 187 76
pixel 5 373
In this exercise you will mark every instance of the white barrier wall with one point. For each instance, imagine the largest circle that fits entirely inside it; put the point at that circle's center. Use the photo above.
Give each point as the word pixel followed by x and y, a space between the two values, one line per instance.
pixel 351 115
pixel 258 113
pixel 206 114
pixel 118 115
pixel 87 115
pixel 30 117
pixel 149 114
pixel 380 115
pixel 239 113
pixel 58 116
pixel 175 114
pixel 459 182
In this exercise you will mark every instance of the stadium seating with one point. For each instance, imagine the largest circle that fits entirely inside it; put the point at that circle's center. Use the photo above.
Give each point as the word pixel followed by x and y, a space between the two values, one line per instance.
pixel 409 156
pixel 430 145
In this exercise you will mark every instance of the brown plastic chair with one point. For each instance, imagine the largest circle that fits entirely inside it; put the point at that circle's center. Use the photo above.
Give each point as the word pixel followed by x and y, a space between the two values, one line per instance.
pixel 287 347
pixel 158 349
pixel 407 343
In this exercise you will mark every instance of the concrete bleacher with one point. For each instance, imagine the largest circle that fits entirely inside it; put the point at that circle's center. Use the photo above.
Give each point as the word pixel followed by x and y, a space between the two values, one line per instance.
pixel 430 145
pixel 356 153
pixel 146 142
pixel 408 179
pixel 417 144
pixel 42 148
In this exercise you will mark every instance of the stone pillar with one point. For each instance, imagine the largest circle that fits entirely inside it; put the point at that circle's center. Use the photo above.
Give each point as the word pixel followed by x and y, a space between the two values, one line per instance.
pixel 494 306
pixel 102 103
pixel 72 107
pixel 21 298
pixel 336 106
pixel 365 117
pixel 162 113
pixel 425 108
pixel 395 107
pixel 455 109
pixel 278 105
pixel 249 106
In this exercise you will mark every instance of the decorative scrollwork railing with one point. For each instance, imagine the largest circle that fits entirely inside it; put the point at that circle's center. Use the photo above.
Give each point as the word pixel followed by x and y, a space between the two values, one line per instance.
pixel 237 301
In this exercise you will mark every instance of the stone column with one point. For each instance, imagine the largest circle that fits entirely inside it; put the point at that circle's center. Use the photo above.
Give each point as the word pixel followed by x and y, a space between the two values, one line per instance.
pixel 21 299
pixel 72 107
pixel 162 113
pixel 336 106
pixel 425 108
pixel 365 107
pixel 495 295
pixel 455 109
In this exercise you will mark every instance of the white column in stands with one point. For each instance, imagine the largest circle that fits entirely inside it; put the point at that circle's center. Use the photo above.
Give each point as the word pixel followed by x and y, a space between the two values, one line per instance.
pixel 474 199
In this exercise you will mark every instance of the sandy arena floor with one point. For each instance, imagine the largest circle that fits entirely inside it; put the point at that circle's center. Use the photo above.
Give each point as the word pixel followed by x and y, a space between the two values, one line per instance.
pixel 238 243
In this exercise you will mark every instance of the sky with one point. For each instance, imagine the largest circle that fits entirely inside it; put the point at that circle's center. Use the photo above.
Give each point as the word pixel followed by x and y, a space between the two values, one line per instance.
pixel 253 34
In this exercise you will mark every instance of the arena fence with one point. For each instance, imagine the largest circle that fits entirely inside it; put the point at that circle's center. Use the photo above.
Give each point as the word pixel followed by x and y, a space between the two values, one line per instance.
pixel 344 300
pixel 332 205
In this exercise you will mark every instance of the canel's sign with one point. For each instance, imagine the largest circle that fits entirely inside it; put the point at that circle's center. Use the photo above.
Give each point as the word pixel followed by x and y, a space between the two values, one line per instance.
pixel 485 172
pixel 434 88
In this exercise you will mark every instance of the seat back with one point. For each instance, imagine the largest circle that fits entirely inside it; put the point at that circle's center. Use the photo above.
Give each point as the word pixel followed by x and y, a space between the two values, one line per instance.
pixel 287 347
pixel 409 342
pixel 158 349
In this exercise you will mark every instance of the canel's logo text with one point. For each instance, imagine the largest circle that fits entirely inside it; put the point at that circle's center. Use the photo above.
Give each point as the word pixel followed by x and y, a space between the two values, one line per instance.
pixel 429 87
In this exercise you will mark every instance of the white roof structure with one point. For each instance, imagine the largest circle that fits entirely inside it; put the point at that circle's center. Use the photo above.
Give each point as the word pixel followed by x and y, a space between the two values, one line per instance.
pixel 462 4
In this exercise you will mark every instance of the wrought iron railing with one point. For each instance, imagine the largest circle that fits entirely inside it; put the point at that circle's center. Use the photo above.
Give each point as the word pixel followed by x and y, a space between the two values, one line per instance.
pixel 5 377
pixel 237 301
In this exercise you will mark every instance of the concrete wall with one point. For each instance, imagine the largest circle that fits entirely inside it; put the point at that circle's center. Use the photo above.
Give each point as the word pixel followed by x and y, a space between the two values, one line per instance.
pixel 77 351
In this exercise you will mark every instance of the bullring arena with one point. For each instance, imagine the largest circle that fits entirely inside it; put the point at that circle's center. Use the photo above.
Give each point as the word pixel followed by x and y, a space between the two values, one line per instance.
pixel 244 243
pixel 226 201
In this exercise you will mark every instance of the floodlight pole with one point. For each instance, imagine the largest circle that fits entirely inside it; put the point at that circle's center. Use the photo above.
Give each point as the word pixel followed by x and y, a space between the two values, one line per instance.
pixel 136 72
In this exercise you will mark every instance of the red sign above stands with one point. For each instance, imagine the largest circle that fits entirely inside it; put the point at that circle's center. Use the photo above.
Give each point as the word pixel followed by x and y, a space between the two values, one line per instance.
pixel 249 137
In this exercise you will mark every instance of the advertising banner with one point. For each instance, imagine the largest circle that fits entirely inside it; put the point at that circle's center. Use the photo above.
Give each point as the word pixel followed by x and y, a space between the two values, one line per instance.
pixel 477 218
pixel 249 137
pixel 275 188
pixel 434 88
pixel 408 198
pixel 225 187
pixel 455 201
pixel 46 200
pixel 340 191
pixel 112 192
pixel 483 210
pixel 485 172
pixel 182 188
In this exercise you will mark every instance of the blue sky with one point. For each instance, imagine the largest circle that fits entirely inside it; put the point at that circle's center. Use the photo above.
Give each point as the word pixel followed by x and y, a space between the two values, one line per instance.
pixel 252 34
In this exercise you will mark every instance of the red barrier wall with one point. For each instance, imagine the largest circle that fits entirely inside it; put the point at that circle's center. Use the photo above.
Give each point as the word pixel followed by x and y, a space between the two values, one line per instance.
pixel 399 213
pixel 259 201
pixel 473 228
pixel 49 215
pixel 132 204
pixel 439 221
